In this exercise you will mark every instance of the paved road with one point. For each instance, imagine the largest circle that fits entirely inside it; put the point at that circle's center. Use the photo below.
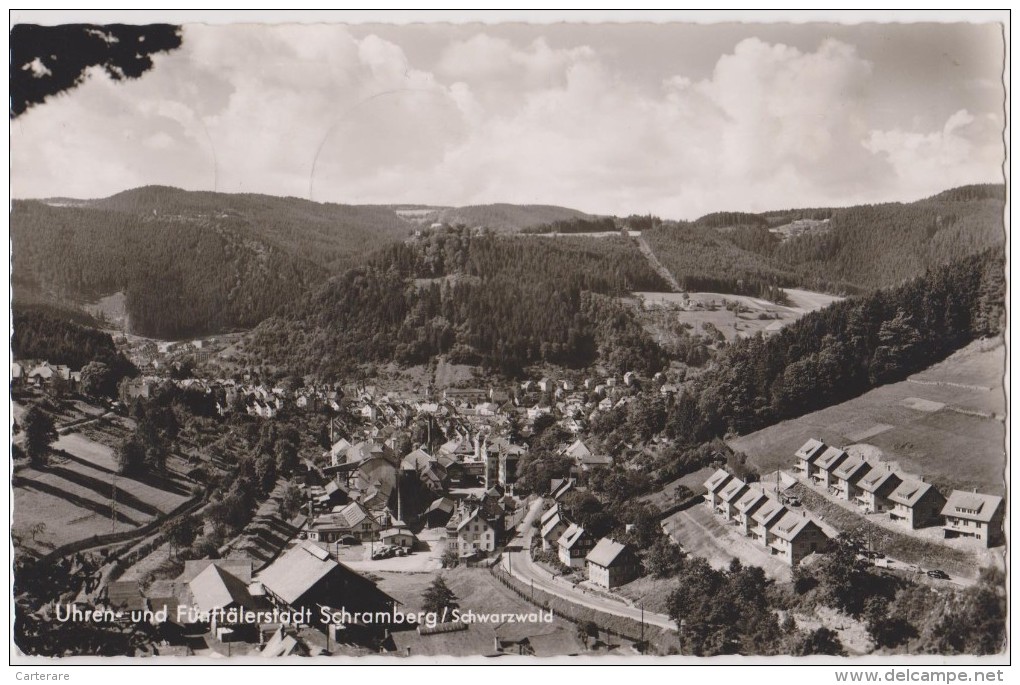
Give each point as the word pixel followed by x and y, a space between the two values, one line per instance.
pixel 517 561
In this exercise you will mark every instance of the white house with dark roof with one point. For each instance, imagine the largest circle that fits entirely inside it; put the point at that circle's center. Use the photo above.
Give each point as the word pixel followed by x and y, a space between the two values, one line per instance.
pixel 713 485
pixel 974 515
pixel 351 520
pixel 752 499
pixel 807 454
pixel 796 536
pixel 612 563
pixel 823 467
pixel 847 475
pixel 874 489
pixel 475 535
pixel 728 496
pixel 398 536
pixel 553 528
pixel 916 504
pixel 765 518
pixel 574 546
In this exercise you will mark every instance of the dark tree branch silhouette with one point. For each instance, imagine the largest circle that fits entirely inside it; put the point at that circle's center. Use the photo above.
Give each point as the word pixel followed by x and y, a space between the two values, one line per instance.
pixel 48 60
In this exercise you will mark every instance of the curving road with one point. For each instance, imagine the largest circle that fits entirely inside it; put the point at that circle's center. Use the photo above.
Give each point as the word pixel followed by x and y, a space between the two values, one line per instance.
pixel 517 561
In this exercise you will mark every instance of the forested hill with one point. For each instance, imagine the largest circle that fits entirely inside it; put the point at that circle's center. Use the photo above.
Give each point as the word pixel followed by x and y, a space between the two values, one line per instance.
pixel 193 263
pixel 840 352
pixel 59 336
pixel 847 250
pixel 190 263
pixel 876 246
pixel 333 236
pixel 181 276
pixel 493 300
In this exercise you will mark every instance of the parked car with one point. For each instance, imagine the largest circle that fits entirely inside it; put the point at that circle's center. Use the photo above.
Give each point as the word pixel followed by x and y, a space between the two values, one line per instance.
pixel 938 573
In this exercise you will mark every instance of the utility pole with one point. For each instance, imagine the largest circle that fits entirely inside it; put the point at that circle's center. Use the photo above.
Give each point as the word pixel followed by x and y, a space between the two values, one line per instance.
pixel 113 504
pixel 642 626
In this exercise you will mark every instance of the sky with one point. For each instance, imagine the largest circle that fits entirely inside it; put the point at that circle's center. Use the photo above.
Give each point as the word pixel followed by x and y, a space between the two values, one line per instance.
pixel 672 119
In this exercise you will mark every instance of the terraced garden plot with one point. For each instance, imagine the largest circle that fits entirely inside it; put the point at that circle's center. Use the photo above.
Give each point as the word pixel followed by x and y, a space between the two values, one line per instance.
pixel 79 494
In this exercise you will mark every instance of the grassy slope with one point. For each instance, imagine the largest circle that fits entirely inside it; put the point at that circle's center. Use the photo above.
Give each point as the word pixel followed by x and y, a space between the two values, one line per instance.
pixel 951 448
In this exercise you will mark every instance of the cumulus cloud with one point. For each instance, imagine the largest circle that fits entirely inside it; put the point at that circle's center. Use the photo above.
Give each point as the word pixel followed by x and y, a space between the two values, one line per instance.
pixel 968 149
pixel 496 64
pixel 299 110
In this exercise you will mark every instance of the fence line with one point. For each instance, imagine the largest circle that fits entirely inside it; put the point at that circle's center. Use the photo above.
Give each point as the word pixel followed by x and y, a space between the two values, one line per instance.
pixel 186 507
pixel 620 626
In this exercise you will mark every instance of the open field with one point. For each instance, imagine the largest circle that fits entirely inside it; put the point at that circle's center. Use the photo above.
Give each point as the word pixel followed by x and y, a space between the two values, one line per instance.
pixel 755 314
pixel 945 423
pixel 111 309
pixel 79 495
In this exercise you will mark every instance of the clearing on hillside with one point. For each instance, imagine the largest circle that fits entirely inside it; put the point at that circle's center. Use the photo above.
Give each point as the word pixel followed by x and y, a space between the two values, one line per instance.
pixel 745 316
pixel 945 423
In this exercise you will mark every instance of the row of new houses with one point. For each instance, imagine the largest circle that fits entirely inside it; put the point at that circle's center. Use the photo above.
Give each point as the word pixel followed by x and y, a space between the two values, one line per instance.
pixel 877 488
pixel 788 534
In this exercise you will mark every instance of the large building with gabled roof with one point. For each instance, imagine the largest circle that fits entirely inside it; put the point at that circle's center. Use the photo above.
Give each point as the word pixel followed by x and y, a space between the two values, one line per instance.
pixel 916 504
pixel 797 535
pixel 611 564
pixel 974 515
pixel 847 475
pixel 306 577
pixel 827 462
pixel 807 454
